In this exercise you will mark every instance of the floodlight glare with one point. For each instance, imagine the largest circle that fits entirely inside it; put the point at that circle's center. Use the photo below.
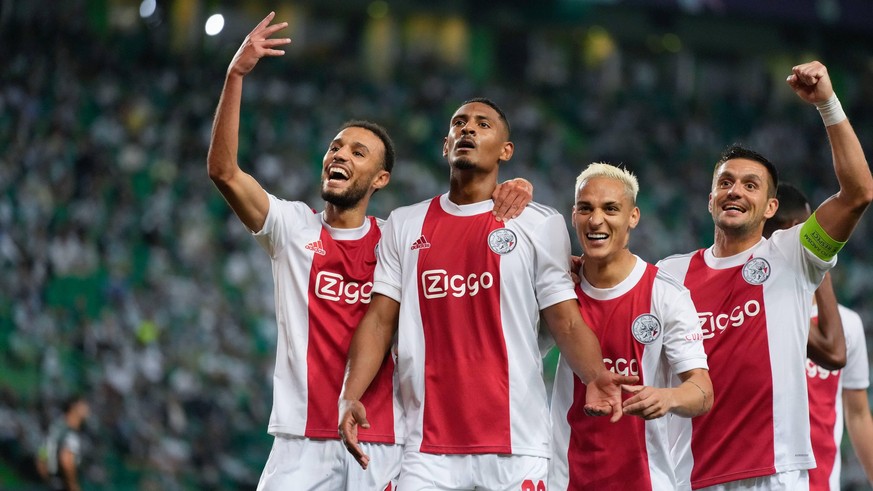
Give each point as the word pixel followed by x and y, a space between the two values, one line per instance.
pixel 214 24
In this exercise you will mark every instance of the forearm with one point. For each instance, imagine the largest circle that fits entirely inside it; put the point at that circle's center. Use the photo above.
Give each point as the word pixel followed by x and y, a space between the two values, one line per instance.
pixel 693 396
pixel 827 342
pixel 224 145
pixel 850 165
pixel 370 344
pixel 577 343
pixel 859 424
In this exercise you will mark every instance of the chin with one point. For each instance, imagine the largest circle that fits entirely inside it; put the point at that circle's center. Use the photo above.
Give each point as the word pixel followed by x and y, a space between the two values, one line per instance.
pixel 463 164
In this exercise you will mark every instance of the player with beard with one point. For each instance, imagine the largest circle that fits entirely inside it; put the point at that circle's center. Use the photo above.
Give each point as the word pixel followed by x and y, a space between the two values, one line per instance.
pixel 323 275
pixel 647 326
pixel 464 294
pixel 753 297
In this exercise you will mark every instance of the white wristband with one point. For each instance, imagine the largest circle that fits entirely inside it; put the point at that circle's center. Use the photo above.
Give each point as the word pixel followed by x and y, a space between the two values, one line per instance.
pixel 831 111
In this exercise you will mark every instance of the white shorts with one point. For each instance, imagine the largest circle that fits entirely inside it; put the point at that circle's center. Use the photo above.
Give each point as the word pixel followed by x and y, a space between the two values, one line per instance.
pixel 781 481
pixel 485 472
pixel 304 464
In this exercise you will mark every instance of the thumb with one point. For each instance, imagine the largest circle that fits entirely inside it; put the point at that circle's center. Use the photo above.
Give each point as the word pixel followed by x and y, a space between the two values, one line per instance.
pixel 362 421
pixel 632 389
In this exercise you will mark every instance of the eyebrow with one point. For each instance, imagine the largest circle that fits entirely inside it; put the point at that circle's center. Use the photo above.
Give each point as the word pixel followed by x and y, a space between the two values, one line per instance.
pixel 354 144
pixel 465 116
pixel 608 203
pixel 747 177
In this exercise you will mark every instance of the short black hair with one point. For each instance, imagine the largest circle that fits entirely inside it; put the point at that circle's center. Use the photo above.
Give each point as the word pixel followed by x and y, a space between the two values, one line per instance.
pixel 492 105
pixel 71 401
pixel 381 133
pixel 793 207
pixel 736 151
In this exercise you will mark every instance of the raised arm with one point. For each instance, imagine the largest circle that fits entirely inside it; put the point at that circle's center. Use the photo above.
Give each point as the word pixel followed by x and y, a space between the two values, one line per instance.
pixel 839 214
pixel 580 347
pixel 370 345
pixel 243 193
pixel 826 345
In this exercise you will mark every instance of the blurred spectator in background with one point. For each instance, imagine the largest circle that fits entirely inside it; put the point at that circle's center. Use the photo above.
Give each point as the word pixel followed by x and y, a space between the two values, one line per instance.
pixel 59 456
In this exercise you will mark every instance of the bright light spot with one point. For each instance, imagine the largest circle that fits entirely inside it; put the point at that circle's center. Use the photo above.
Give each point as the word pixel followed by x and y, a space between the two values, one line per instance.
pixel 147 8
pixel 378 9
pixel 214 24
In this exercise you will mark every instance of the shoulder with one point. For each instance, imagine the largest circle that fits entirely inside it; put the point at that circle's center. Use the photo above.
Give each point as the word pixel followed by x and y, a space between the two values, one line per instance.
pixel 405 212
pixel 281 206
pixel 668 282
pixel 537 212
pixel 675 259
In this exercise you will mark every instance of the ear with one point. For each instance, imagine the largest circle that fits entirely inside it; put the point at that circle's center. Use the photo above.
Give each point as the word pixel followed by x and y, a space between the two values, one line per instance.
pixel 634 218
pixel 445 146
pixel 772 206
pixel 506 151
pixel 381 180
pixel 709 204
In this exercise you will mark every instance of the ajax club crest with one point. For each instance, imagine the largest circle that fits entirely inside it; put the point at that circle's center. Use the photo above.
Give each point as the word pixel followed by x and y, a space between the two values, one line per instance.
pixel 502 241
pixel 756 271
pixel 646 328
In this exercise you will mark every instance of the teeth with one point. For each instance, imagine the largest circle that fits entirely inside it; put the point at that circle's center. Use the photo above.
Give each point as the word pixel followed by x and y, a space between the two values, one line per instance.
pixel 597 236
pixel 338 171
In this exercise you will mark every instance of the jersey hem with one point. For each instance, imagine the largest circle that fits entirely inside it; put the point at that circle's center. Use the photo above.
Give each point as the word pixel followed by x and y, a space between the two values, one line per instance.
pixel 481 449
pixel 750 474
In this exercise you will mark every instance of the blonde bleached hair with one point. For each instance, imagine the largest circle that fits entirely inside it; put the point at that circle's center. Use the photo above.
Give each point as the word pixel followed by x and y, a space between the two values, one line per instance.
pixel 600 169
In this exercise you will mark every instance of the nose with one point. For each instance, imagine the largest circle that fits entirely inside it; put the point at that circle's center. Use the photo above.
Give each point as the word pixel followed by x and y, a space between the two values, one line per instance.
pixel 734 190
pixel 595 218
pixel 468 129
pixel 342 154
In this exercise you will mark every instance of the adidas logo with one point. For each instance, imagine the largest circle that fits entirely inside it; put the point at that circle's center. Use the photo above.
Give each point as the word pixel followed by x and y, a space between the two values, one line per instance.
pixel 316 247
pixel 421 243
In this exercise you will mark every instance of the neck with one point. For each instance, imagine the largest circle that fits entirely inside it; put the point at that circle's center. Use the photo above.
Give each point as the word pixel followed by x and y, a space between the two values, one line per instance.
pixel 470 186
pixel 345 217
pixel 610 271
pixel 727 244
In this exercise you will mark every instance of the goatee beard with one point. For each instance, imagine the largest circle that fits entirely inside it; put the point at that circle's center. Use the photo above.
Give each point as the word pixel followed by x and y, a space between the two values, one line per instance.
pixel 463 164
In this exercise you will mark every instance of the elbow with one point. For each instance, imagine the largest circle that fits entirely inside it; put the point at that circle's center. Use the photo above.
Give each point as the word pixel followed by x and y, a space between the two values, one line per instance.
pixel 834 361
pixel 864 194
pixel 219 174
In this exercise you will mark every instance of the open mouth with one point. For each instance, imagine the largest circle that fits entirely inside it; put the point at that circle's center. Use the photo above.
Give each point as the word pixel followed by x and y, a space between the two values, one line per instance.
pixel 337 174
pixel 733 207
pixel 596 236
pixel 465 143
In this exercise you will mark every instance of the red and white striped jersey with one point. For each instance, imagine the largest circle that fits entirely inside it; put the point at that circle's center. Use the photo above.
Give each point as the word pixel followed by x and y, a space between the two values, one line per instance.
pixel 826 401
pixel 323 279
pixel 647 326
pixel 754 312
pixel 470 290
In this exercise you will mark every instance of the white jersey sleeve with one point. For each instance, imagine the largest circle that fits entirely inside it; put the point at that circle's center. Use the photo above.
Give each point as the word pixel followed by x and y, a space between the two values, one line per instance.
pixel 856 373
pixel 387 276
pixel 683 339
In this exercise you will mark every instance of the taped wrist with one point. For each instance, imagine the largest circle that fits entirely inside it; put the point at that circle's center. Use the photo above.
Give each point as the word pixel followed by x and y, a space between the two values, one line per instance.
pixel 831 111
